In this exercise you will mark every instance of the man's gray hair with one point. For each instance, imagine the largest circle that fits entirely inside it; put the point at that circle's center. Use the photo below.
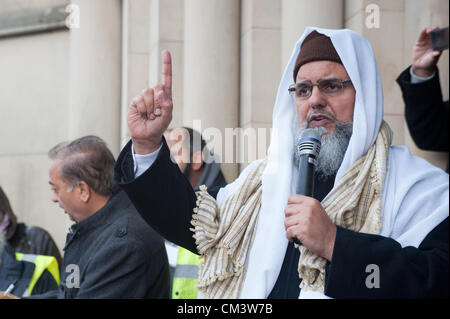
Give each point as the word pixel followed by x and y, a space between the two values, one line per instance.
pixel 86 159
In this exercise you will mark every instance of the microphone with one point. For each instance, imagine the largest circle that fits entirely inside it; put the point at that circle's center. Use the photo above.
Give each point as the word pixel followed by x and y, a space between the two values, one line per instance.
pixel 308 148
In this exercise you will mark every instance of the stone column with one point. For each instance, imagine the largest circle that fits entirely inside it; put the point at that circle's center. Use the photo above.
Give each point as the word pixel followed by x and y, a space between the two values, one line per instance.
pixel 166 33
pixel 95 72
pixel 135 55
pixel 260 75
pixel 382 24
pixel 296 15
pixel 211 67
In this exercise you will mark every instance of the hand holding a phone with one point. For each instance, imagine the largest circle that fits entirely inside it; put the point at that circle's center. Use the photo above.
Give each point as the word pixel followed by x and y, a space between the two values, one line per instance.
pixel 424 58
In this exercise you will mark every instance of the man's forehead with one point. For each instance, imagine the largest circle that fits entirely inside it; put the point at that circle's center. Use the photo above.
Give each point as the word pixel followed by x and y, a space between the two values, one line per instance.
pixel 321 69
pixel 54 172
pixel 54 164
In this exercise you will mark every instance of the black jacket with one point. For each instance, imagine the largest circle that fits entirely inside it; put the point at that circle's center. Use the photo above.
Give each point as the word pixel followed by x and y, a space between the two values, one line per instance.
pixel 115 254
pixel 165 199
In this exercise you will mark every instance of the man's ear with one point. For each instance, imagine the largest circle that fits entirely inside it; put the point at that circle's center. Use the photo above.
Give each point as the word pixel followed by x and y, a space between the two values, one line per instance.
pixel 84 192
pixel 197 161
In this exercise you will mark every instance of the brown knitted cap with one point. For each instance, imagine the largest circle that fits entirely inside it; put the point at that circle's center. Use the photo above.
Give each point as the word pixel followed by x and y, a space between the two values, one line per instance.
pixel 316 47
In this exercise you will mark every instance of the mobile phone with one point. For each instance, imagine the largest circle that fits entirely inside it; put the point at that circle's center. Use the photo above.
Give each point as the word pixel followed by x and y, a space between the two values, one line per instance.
pixel 439 39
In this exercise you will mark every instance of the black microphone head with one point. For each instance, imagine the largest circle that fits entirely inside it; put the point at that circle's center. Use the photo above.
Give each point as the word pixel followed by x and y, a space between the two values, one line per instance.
pixel 309 142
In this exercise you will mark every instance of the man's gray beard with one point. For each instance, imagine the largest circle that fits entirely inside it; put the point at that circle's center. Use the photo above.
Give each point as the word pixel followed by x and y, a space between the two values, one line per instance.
pixel 332 150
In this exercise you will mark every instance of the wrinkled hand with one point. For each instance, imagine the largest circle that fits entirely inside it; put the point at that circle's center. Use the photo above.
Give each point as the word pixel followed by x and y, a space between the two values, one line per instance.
pixel 150 112
pixel 424 58
pixel 306 220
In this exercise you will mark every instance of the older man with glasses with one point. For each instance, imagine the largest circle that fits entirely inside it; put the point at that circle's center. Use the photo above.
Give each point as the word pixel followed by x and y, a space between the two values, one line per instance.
pixel 376 227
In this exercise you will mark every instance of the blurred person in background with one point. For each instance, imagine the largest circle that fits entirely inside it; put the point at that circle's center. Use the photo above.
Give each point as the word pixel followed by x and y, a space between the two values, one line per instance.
pixel 25 274
pixel 23 238
pixel 200 167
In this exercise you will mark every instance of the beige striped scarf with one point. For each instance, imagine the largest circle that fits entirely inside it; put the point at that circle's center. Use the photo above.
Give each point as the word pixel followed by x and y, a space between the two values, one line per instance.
pixel 224 235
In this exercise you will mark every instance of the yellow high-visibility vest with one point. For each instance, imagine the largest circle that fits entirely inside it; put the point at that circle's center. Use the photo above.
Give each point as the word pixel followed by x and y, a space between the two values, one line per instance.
pixel 185 276
pixel 41 263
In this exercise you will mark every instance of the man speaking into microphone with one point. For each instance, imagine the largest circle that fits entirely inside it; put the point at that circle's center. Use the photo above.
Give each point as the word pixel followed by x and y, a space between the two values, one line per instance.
pixel 374 206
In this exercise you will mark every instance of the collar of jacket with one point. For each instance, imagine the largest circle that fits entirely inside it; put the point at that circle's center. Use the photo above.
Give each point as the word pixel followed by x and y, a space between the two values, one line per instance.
pixel 104 216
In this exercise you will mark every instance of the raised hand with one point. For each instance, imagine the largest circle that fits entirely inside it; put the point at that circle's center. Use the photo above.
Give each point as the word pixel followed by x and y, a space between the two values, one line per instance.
pixel 424 57
pixel 150 112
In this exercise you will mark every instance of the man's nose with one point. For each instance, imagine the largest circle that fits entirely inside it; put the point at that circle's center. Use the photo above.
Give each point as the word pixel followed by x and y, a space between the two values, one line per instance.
pixel 317 98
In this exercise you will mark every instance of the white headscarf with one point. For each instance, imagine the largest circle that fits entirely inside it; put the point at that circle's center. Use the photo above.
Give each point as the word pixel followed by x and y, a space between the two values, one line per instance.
pixel 407 214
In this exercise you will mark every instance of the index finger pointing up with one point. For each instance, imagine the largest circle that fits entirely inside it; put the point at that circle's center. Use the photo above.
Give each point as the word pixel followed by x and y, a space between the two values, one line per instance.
pixel 167 72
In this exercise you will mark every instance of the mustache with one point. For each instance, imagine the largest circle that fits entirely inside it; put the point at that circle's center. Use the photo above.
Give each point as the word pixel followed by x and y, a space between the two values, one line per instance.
pixel 321 113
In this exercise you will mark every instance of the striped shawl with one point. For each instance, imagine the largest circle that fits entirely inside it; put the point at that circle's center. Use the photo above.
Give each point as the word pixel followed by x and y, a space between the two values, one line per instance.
pixel 224 234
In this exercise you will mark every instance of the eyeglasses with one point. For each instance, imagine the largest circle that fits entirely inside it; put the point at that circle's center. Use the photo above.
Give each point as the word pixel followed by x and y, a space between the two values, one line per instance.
pixel 303 90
